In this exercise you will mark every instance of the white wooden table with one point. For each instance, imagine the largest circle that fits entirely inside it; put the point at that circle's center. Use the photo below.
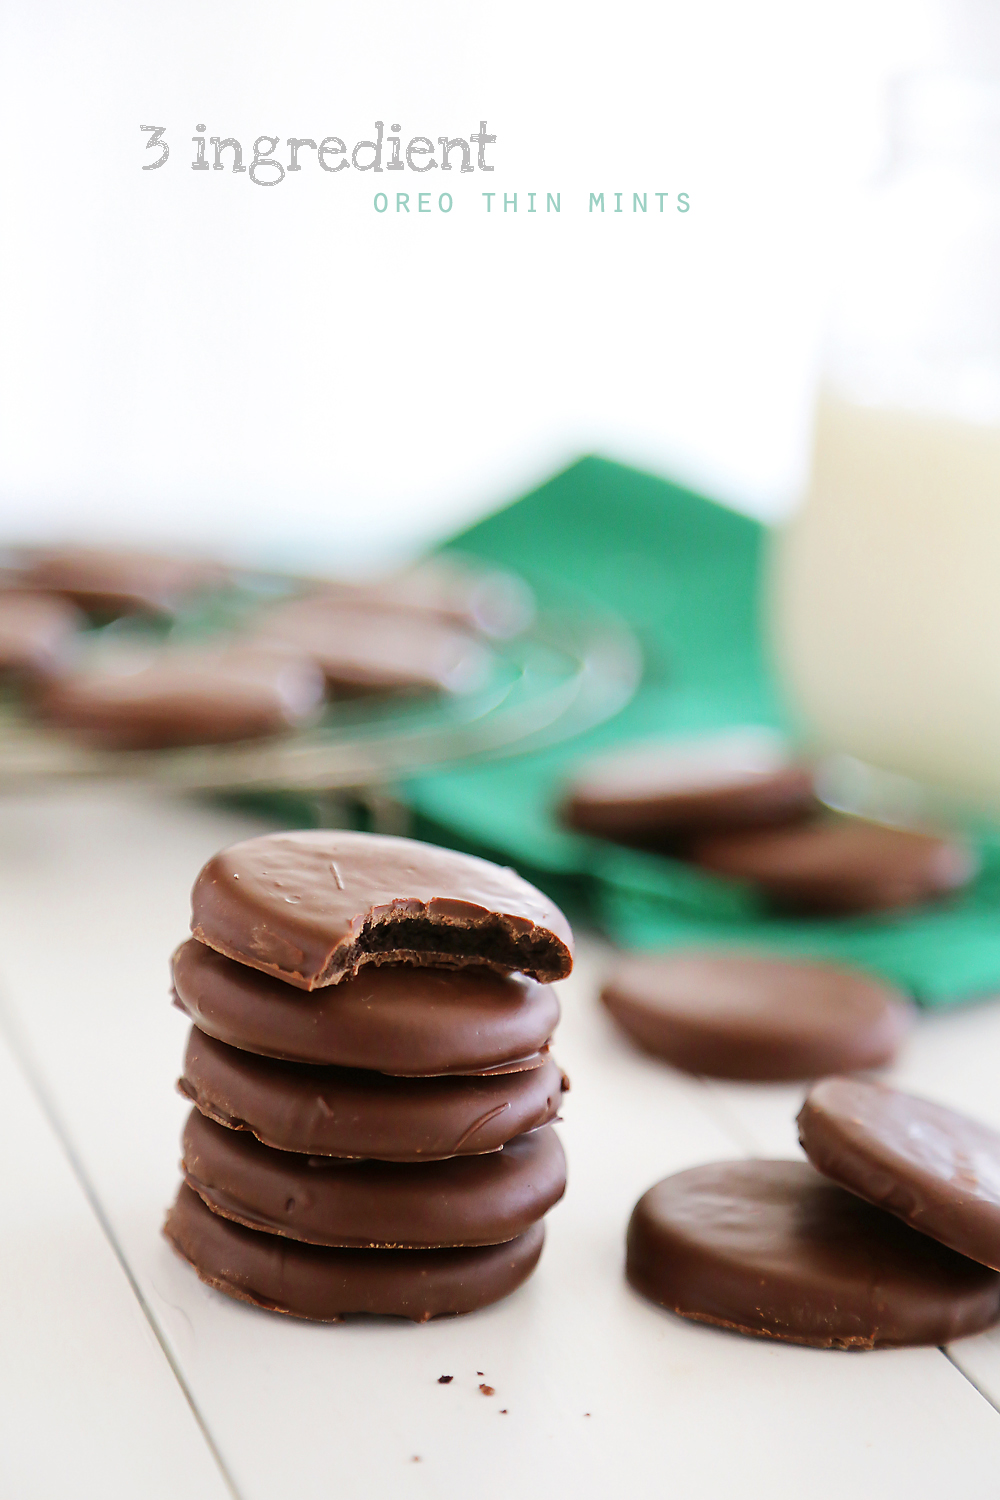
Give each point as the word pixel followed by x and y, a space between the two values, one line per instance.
pixel 122 1376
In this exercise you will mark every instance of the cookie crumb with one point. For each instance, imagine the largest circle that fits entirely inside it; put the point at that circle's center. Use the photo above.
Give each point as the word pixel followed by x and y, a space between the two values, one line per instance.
pixel 445 1379
pixel 480 1372
pixel 503 1411
pixel 487 1390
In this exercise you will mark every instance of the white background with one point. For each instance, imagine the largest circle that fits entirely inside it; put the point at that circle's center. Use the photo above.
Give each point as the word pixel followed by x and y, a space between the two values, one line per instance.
pixel 286 374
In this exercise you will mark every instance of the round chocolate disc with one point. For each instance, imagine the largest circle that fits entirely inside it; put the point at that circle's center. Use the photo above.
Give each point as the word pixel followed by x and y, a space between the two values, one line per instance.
pixel 468 1200
pixel 933 1167
pixel 312 1281
pixel 313 907
pixel 185 698
pixel 36 634
pixel 409 1022
pixel 774 1249
pixel 840 865
pixel 651 793
pixel 743 1015
pixel 112 581
pixel 372 650
pixel 342 1112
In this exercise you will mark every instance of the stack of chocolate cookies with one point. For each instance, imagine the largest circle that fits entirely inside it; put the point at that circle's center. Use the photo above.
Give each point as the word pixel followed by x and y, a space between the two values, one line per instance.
pixel 371 1076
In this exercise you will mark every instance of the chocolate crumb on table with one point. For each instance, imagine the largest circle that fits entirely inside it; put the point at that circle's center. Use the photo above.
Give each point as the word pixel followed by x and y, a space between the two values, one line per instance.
pixel 445 1379
pixel 487 1390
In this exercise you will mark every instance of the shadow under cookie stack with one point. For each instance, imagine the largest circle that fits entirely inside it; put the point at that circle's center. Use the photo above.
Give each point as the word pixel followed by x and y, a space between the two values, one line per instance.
pixel 371 1077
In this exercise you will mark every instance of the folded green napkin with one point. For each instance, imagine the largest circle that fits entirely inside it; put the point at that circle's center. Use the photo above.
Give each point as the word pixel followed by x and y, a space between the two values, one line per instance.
pixel 685 573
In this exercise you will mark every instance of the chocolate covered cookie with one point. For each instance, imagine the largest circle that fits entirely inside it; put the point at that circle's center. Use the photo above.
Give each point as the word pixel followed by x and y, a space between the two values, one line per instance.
pixel 371 650
pixel 774 1249
pixel 313 908
pixel 345 1113
pixel 658 793
pixel 467 1200
pixel 312 1281
pixel 110 581
pixel 185 698
pixel 37 632
pixel 747 1016
pixel 933 1167
pixel 839 865
pixel 397 1019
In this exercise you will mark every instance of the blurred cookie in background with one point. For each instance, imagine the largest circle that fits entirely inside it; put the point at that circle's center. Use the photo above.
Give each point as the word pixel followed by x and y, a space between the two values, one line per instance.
pixel 187 697
pixel 840 865
pixel 757 1018
pixel 459 590
pixel 108 582
pixel 657 794
pixel 37 635
pixel 361 649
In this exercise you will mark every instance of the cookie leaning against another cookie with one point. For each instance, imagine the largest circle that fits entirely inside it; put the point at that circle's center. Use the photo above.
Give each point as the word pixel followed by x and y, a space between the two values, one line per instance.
pixel 774 1249
pixel 934 1168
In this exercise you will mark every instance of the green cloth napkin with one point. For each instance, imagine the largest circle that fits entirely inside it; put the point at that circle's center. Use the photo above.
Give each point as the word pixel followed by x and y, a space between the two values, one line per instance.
pixel 685 573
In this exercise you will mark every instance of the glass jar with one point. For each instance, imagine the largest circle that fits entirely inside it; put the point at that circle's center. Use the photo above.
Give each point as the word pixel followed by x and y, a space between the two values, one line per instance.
pixel 885 586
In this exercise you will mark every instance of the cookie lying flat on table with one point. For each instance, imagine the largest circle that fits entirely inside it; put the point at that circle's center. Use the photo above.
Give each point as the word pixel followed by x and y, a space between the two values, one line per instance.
pixel 656 792
pixel 313 1281
pixel 110 581
pixel 747 1016
pixel 396 1019
pixel 37 632
pixel 774 1249
pixel 370 650
pixel 933 1167
pixel 185 698
pixel 840 865
pixel 467 1200
pixel 347 1113
pixel 313 908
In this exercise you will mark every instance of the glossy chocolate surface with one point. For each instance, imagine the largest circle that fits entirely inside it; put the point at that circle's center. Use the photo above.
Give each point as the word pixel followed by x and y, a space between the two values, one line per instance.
pixel 36 634
pixel 468 1200
pixel 654 792
pixel 311 1281
pixel 186 698
pixel 931 1166
pixel 746 1016
pixel 364 649
pixel 347 1113
pixel 840 865
pixel 405 1021
pixel 313 908
pixel 112 581
pixel 774 1249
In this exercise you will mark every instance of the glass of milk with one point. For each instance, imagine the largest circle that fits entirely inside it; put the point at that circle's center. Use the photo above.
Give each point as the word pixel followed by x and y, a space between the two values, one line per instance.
pixel 885 586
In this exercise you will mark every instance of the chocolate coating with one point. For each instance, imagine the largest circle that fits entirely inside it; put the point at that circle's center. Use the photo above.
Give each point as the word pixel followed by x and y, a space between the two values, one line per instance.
pixel 371 650
pixel 341 1112
pixel 408 1022
pixel 186 698
pixel 36 634
pixel 732 1015
pixel 468 1200
pixel 465 592
pixel 311 1281
pixel 774 1249
pixel 840 865
pixel 112 581
pixel 653 793
pixel 313 907
pixel 933 1167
